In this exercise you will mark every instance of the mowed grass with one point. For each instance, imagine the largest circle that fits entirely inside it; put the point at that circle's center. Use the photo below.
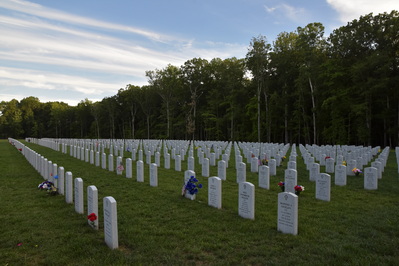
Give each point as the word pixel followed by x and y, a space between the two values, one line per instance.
pixel 157 226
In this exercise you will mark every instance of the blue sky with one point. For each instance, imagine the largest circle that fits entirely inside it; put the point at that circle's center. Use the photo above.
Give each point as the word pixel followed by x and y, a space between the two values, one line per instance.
pixel 72 50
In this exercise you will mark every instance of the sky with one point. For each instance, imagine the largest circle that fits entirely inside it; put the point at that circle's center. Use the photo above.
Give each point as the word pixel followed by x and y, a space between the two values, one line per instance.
pixel 69 51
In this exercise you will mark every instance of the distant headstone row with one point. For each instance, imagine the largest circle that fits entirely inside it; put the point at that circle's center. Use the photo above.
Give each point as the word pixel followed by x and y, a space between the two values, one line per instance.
pixel 263 159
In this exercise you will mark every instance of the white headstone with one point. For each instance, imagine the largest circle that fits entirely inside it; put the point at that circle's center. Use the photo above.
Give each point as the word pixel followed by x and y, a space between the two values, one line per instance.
pixel 225 158
pixel 158 159
pixel 264 177
pixel 246 200
pixel 205 167
pixel 167 161
pixel 134 155
pixel 287 213
pixel 190 163
pixel 119 165
pixel 68 188
pixel 97 159
pixel 91 157
pixel 350 167
pixel 241 173
pixel 291 165
pixel 110 223
pixel 49 176
pixel 340 175
pixel 178 163
pixel 254 164
pixel 238 160
pixel 82 154
pixel 153 175
pixel 104 161
pixel 148 157
pixel 61 180
pixel 309 162
pixel 54 176
pixel 371 178
pixel 314 171
pixel 92 205
pixel 187 175
pixel 141 155
pixel 222 170
pixel 212 159
pixel 79 201
pixel 111 163
pixel 378 165
pixel 140 171
pixel 290 180
pixel 272 167
pixel 128 168
pixel 323 187
pixel 215 192
pixel 330 165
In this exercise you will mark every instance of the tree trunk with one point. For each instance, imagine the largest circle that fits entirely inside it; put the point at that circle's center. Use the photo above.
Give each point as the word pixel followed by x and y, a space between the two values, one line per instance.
pixel 133 114
pixel 313 111
pixel 267 118
pixel 285 118
pixel 167 120
pixel 148 127
pixel 232 125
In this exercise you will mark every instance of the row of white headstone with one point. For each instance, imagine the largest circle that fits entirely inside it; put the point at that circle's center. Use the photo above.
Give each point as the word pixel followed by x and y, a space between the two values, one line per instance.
pixel 246 208
pixel 246 202
pixel 74 194
pixel 371 174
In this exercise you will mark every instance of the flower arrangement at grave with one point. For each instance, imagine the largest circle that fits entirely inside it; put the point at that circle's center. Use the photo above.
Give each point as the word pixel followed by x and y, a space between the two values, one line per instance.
pixel 264 162
pixel 356 171
pixel 49 187
pixel 92 217
pixel 281 184
pixel 327 157
pixel 344 163
pixel 283 158
pixel 191 186
pixel 299 189
pixel 120 167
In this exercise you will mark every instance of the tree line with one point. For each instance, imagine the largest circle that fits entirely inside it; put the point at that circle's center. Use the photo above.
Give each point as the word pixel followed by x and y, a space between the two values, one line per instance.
pixel 303 88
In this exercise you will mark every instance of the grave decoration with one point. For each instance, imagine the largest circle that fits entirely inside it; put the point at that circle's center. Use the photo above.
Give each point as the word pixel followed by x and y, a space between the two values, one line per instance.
pixel 92 217
pixel 283 158
pixel 356 171
pixel 299 189
pixel 49 186
pixel 344 163
pixel 120 167
pixel 281 184
pixel 264 162
pixel 191 186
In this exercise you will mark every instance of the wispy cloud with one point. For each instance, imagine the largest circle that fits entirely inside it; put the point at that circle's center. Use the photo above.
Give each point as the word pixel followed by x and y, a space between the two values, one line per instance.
pixel 49 81
pixel 286 11
pixel 350 10
pixel 53 14
pixel 68 53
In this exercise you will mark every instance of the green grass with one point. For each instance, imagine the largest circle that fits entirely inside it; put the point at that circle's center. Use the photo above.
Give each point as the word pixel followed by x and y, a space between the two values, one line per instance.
pixel 157 226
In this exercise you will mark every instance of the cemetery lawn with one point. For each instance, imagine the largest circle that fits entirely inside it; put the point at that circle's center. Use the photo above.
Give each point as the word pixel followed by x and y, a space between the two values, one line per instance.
pixel 157 225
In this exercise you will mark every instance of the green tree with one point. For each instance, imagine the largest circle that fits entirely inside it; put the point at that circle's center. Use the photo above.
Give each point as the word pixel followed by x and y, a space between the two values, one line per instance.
pixel 257 60
pixel 312 49
pixel 166 81
pixel 11 119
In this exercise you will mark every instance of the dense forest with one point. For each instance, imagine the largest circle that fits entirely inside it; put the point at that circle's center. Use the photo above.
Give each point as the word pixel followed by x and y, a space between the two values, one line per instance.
pixel 303 88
